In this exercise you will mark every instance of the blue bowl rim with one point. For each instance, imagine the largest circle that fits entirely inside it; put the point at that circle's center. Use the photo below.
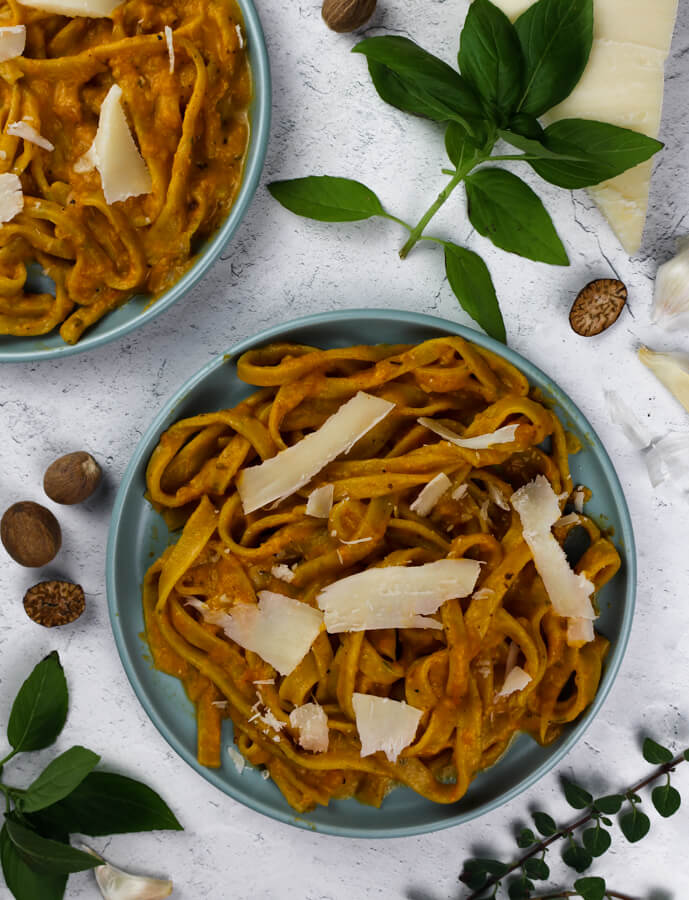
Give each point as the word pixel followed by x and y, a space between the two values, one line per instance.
pixel 258 146
pixel 626 538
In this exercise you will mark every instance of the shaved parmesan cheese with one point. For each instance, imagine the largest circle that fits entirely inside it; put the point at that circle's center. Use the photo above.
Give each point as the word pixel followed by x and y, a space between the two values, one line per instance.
pixel 284 573
pixel 94 9
pixel 264 681
pixel 170 47
pixel 12 42
pixel 565 521
pixel 239 36
pixel 538 508
pixel 497 496
pixel 321 501
pixel 123 173
pixel 278 628
pixel 11 196
pixel 580 631
pixel 512 657
pixel 312 724
pixel 430 495
pixel 504 435
pixel 87 162
pixel 237 759
pixel 291 469
pixel 220 704
pixel 579 497
pixel 516 680
pixel 357 541
pixel 265 774
pixel 28 133
pixel 395 596
pixel 384 724
pixel 459 492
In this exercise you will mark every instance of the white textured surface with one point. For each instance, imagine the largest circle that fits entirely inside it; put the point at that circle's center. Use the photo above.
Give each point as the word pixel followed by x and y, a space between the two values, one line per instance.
pixel 327 119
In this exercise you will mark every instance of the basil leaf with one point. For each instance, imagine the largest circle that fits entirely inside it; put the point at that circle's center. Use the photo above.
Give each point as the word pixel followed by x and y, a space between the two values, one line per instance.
pixel 491 59
pixel 401 94
pixel 527 125
pixel 45 855
pixel 535 147
pixel 106 804
pixel 40 709
pixel 505 209
pixel 609 151
pixel 655 753
pixel 470 280
pixel 556 38
pixel 327 199
pixel 428 77
pixel 591 888
pixel 24 882
pixel 59 779
pixel 461 150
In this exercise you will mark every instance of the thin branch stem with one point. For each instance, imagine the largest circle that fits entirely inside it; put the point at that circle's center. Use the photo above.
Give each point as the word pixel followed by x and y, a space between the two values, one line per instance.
pixel 395 219
pixel 8 758
pixel 568 831
pixel 442 197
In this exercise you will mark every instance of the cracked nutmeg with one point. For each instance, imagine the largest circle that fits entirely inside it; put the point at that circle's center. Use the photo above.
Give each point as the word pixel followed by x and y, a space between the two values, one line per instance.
pixel 53 603
pixel 72 478
pixel 347 15
pixel 598 306
pixel 30 533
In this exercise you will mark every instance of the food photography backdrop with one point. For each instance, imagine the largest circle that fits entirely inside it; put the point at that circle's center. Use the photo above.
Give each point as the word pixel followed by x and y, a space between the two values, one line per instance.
pixel 327 119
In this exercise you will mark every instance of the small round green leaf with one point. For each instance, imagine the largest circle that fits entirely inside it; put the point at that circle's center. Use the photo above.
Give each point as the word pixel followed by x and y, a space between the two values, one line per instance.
pixel 656 754
pixel 635 825
pixel 610 805
pixel 536 868
pixel 545 824
pixel 686 755
pixel 526 838
pixel 520 889
pixel 327 198
pixel 576 796
pixel 606 821
pixel 590 888
pixel 596 841
pixel 577 858
pixel 666 800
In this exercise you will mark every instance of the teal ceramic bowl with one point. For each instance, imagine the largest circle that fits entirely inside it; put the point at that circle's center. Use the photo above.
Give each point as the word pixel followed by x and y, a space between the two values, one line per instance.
pixel 138 535
pixel 140 309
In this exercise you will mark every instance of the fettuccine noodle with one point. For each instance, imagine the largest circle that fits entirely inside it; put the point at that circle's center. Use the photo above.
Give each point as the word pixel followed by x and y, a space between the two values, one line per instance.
pixel 192 130
pixel 453 675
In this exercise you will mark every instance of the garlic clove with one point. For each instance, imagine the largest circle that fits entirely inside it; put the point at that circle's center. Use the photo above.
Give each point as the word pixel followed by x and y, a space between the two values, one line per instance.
pixel 115 884
pixel 672 369
pixel 671 296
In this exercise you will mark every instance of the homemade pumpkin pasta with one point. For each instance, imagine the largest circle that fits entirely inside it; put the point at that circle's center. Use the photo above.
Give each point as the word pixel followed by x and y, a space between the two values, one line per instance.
pixel 117 196
pixel 294 620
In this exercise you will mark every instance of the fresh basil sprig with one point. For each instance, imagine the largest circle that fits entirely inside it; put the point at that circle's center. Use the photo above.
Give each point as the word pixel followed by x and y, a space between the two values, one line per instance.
pixel 509 76
pixel 67 797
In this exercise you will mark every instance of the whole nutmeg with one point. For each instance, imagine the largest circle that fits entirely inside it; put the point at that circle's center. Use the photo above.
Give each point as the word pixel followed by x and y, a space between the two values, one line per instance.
pixel 347 15
pixel 53 603
pixel 598 306
pixel 72 478
pixel 30 533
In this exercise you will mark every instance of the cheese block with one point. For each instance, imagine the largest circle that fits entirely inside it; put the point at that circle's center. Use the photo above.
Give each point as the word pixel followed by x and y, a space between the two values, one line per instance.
pixel 88 8
pixel 623 85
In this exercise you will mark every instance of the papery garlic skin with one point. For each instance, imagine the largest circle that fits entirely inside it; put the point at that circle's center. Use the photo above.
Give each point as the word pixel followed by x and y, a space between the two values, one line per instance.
pixel 115 884
pixel 671 297
pixel 671 369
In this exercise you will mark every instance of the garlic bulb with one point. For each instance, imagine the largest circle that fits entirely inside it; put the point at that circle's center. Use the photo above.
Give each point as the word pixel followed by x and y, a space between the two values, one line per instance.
pixel 115 884
pixel 671 297
pixel 672 369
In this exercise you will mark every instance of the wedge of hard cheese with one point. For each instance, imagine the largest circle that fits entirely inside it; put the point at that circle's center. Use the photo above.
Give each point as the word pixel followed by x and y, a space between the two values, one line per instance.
pixel 623 84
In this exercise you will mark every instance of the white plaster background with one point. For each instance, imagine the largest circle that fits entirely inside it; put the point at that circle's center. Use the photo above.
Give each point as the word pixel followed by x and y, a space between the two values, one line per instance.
pixel 326 118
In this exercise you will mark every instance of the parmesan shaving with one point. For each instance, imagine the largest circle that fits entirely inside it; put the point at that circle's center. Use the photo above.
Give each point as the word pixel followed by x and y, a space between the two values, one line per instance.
pixel 384 725
pixel 123 172
pixel 512 657
pixel 312 724
pixel 170 47
pixel 566 521
pixel 578 498
pixel 264 681
pixel 28 133
pixel 240 37
pixel 516 680
pixel 237 759
pixel 320 501
pixel 459 492
pixel 538 508
pixel 11 196
pixel 395 596
pixel 288 471
pixel 265 774
pixel 430 494
pixel 221 704
pixel 284 573
pixel 12 41
pixel 93 9
pixel 504 435
pixel 580 631
pixel 497 496
pixel 357 541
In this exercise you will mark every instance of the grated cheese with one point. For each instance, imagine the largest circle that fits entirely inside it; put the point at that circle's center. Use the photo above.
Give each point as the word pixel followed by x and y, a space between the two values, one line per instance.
pixel 284 573
pixel 504 435
pixel 237 759
pixel 283 474
pixel 311 722
pixel 12 41
pixel 538 508
pixel 384 724
pixel 28 133
pixel 431 493
pixel 170 47
pixel 11 196
pixel 395 596
pixel 93 9
pixel 516 680
pixel 123 172
pixel 320 501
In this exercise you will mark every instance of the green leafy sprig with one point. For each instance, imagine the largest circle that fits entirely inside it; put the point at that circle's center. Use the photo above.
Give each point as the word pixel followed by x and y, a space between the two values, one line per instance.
pixel 586 839
pixel 511 74
pixel 69 796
